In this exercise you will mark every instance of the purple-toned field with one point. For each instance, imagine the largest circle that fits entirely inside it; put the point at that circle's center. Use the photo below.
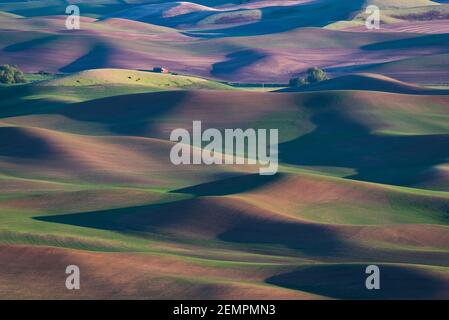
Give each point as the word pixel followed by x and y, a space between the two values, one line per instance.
pixel 235 53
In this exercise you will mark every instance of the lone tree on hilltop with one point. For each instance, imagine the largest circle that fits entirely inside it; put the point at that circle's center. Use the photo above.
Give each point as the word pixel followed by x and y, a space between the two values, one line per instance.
pixel 11 74
pixel 315 75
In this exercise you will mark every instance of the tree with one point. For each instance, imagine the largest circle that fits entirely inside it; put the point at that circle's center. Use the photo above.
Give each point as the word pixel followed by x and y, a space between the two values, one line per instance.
pixel 315 75
pixel 297 82
pixel 11 74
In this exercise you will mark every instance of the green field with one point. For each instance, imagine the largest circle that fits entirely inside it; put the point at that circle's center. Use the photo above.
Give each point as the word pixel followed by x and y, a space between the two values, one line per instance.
pixel 85 172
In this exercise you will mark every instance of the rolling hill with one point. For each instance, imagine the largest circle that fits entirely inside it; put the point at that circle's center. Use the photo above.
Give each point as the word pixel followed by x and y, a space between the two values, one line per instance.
pixel 351 190
pixel 367 82
pixel 120 77
pixel 255 42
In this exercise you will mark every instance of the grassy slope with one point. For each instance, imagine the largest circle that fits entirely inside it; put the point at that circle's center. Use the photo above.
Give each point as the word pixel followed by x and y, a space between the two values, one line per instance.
pixel 151 80
pixel 68 191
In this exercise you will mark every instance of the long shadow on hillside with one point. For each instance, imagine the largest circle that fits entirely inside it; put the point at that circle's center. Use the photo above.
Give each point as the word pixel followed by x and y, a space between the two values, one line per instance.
pixel 19 143
pixel 348 282
pixel 232 185
pixel 236 61
pixel 51 8
pixel 155 14
pixel 432 40
pixel 218 219
pixel 189 217
pixel 14 100
pixel 339 141
pixel 32 44
pixel 133 114
pixel 98 57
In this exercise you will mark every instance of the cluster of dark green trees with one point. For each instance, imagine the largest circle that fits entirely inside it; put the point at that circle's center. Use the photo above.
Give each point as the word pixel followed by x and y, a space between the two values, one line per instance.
pixel 313 75
pixel 11 74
